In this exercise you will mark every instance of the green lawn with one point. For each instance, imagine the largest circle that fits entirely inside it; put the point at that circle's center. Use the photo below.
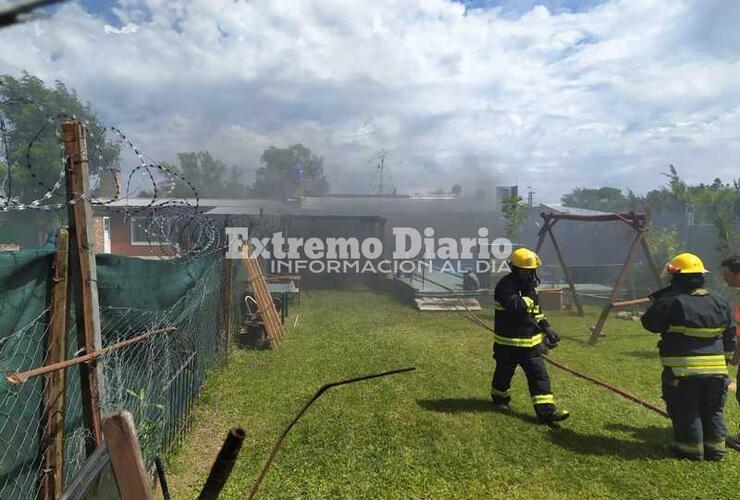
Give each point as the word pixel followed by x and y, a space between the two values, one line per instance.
pixel 430 433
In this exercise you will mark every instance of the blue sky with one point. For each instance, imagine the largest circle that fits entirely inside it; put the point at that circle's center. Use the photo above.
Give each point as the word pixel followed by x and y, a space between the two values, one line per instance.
pixel 519 7
pixel 553 93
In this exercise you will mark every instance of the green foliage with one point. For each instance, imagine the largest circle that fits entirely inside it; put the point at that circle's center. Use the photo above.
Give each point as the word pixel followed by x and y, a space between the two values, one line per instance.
pixel 515 212
pixel 716 203
pixel 664 244
pixel 606 199
pixel 33 148
pixel 148 418
pixel 280 178
pixel 26 126
pixel 210 177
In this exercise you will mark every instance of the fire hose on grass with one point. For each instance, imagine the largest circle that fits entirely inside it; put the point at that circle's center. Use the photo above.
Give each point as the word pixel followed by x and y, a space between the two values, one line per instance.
pixel 617 390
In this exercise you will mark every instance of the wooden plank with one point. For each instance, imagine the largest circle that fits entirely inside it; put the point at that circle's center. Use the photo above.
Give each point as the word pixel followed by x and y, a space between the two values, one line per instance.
pixel 56 345
pixel 91 473
pixel 447 304
pixel 84 273
pixel 602 218
pixel 265 305
pixel 629 303
pixel 126 458
pixel 542 233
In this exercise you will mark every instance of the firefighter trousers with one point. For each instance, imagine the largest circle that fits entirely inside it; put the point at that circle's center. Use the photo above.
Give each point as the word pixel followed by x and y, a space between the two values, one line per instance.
pixel 695 406
pixel 507 359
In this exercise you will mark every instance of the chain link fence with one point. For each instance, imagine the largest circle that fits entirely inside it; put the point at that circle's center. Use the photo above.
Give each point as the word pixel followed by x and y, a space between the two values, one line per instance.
pixel 156 379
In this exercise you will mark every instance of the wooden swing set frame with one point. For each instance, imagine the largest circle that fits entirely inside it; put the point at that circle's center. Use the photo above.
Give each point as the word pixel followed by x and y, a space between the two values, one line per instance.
pixel 639 222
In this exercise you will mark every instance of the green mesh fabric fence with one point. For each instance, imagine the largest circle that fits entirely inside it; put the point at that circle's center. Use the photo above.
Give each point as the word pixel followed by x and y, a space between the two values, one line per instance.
pixel 156 380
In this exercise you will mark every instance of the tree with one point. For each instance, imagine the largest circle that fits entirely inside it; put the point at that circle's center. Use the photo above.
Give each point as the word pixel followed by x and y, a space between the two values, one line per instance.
pixel 210 177
pixel 670 198
pixel 664 244
pixel 515 212
pixel 26 126
pixel 31 159
pixel 457 189
pixel 289 172
pixel 607 199
pixel 716 203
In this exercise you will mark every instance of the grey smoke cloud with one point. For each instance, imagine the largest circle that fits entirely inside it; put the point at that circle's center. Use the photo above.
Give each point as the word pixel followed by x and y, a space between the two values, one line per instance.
pixel 601 93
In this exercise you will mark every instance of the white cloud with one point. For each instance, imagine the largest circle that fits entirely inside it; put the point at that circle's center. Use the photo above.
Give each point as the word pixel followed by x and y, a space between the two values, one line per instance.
pixel 555 100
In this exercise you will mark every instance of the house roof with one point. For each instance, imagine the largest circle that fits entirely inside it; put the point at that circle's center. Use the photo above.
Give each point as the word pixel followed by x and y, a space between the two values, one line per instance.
pixel 202 202
pixel 565 210
pixel 331 205
pixel 581 214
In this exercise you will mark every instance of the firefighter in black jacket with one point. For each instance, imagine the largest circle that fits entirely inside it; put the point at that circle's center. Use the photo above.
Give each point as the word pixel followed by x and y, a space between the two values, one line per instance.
pixel 521 334
pixel 697 333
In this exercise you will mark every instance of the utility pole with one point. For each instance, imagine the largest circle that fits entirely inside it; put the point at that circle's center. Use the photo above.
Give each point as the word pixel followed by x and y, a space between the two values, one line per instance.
pixel 381 169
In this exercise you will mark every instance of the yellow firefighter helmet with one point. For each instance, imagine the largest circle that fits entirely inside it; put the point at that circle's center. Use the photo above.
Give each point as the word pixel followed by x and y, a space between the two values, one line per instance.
pixel 685 263
pixel 525 258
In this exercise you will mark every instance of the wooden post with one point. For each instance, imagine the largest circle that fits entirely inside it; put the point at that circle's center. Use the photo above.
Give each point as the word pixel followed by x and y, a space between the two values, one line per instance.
pixel 125 457
pixel 83 273
pixel 566 271
pixel 596 332
pixel 56 346
pixel 543 232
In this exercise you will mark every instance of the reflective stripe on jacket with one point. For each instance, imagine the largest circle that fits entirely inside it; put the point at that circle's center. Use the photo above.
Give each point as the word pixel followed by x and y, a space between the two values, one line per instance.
pixel 697 330
pixel 516 314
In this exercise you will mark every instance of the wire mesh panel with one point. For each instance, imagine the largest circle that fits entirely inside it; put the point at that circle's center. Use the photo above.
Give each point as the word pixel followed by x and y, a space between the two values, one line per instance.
pixel 156 380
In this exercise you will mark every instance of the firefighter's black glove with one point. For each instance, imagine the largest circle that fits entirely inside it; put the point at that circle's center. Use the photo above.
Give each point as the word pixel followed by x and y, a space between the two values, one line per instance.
pixel 550 338
pixel 551 341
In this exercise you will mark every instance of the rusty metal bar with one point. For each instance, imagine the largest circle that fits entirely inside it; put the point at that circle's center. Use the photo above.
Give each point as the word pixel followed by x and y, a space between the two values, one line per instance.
pixel 52 439
pixel 303 410
pixel 20 377
pixel 221 468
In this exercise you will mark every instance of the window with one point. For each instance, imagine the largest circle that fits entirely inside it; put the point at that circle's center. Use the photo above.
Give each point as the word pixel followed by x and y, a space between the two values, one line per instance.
pixel 151 230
